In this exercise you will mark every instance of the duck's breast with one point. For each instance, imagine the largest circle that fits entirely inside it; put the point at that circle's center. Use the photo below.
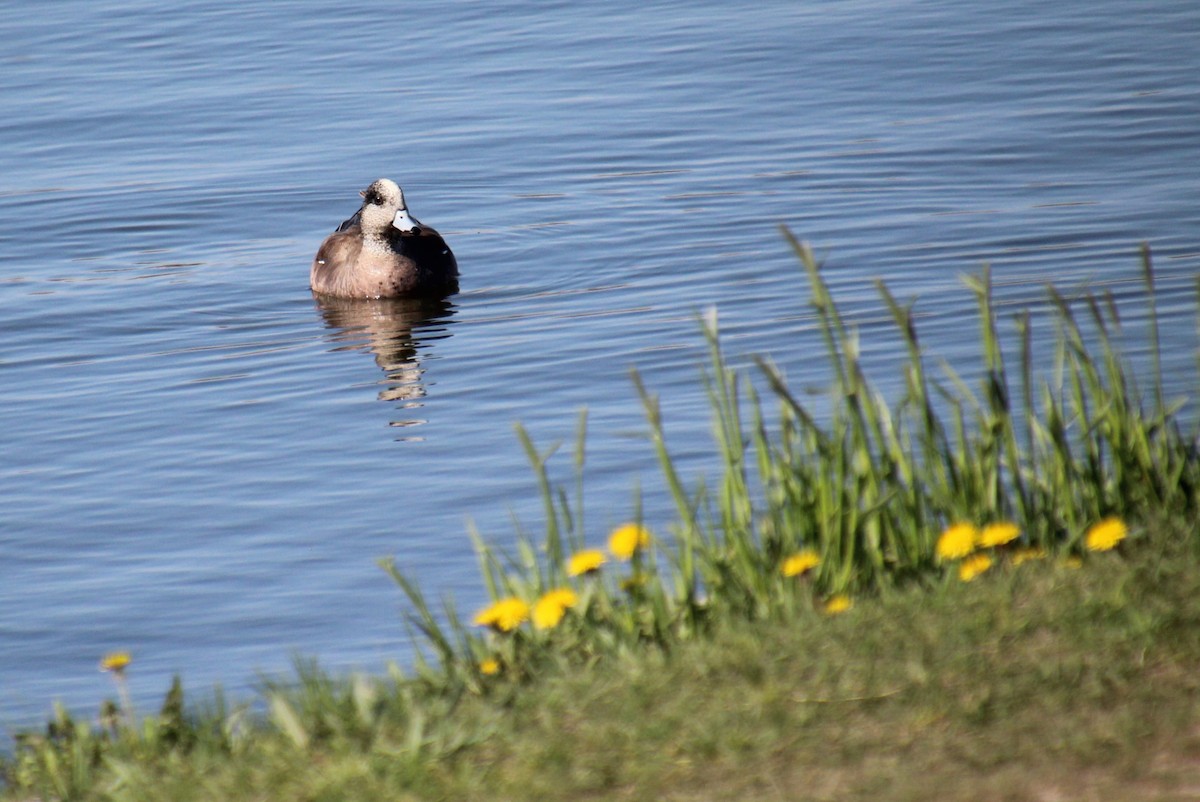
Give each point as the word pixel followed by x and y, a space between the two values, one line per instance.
pixel 336 260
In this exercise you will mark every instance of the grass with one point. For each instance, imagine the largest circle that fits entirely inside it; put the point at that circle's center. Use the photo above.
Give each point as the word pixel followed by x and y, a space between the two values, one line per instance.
pixel 710 664
pixel 1039 682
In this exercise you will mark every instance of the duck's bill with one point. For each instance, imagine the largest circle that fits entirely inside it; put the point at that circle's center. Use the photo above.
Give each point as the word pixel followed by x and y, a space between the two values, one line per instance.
pixel 406 223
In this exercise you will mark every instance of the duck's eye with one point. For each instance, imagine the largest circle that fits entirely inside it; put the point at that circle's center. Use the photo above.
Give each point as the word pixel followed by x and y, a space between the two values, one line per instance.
pixel 372 198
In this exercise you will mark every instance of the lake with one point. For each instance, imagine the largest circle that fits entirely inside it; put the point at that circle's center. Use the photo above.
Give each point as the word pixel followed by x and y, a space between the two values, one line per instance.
pixel 201 462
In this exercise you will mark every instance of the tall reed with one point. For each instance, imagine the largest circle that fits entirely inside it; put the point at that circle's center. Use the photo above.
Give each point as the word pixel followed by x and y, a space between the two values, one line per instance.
pixel 865 488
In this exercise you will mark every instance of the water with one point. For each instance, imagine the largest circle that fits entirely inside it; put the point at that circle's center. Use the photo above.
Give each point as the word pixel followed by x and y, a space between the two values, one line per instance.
pixel 201 463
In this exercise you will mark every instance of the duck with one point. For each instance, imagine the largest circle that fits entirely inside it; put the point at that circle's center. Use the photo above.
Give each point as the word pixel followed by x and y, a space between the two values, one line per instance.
pixel 382 251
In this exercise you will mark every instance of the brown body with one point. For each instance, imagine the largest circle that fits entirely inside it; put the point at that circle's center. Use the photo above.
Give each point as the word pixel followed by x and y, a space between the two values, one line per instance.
pixel 369 256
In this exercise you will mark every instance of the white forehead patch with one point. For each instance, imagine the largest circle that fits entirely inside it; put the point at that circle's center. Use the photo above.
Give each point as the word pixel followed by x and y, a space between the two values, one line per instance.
pixel 388 193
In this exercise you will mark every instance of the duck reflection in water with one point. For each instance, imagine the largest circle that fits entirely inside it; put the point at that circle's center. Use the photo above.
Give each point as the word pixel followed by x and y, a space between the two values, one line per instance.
pixel 395 330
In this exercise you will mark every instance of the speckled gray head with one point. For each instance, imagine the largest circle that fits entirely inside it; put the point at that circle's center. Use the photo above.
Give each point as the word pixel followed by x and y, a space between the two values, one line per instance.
pixel 384 199
pixel 381 200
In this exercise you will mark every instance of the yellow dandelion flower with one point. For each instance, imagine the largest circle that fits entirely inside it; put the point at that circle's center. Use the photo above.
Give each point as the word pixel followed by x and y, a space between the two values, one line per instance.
pixel 998 534
pixel 489 667
pixel 957 541
pixel 1105 535
pixel 115 661
pixel 973 566
pixel 838 603
pixel 1026 555
pixel 550 608
pixel 800 563
pixel 503 616
pixel 585 562
pixel 627 540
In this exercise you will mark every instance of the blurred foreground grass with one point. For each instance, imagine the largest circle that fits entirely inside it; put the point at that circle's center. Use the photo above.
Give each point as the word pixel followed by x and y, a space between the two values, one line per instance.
pixel 1037 682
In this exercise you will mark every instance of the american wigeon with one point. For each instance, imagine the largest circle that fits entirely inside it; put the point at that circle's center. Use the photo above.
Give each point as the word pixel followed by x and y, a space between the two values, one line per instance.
pixel 384 252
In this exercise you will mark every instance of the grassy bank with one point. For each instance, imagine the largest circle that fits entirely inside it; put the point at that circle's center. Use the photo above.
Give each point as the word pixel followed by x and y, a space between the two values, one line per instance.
pixel 990 593
pixel 1039 682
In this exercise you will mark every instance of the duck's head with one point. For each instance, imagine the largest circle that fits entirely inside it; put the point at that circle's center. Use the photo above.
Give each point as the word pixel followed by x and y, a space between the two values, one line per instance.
pixel 383 205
